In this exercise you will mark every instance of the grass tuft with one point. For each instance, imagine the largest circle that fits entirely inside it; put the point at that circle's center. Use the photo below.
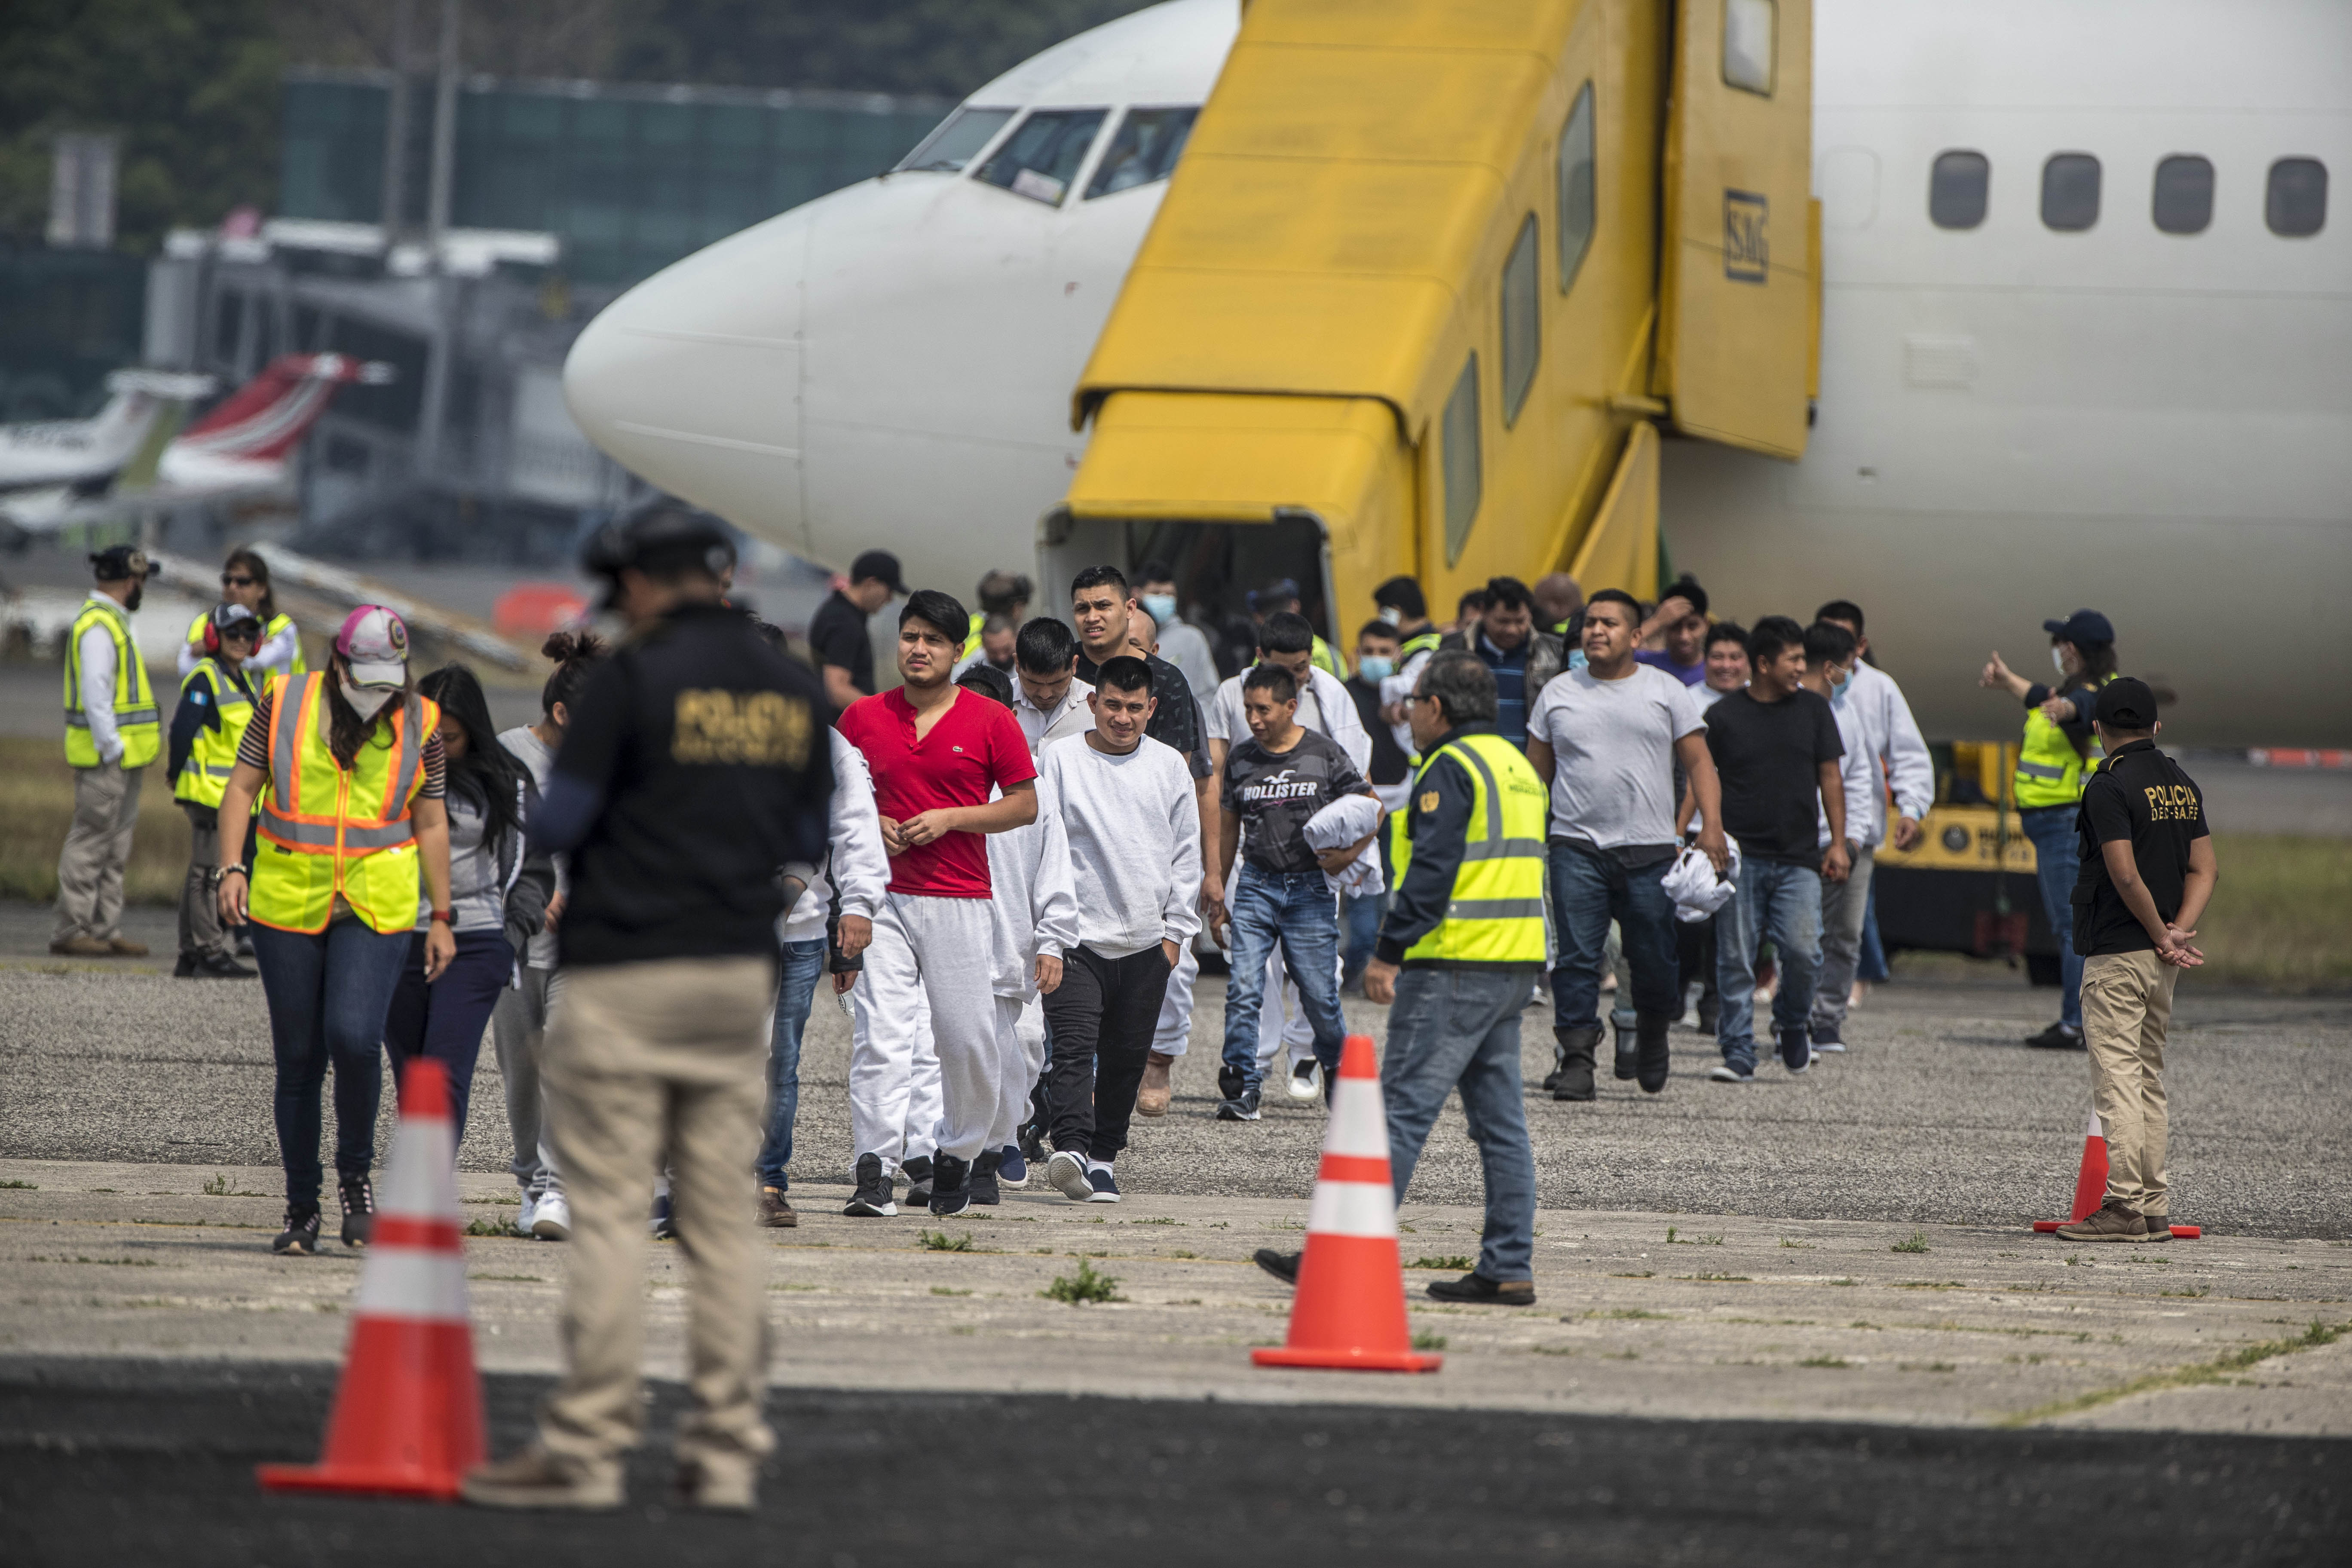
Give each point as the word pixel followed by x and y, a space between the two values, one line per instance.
pixel 14 1186
pixel 941 1241
pixel 2219 1369
pixel 1425 1341
pixel 1827 1361
pixel 1451 1260
pixel 1914 1242
pixel 1083 1286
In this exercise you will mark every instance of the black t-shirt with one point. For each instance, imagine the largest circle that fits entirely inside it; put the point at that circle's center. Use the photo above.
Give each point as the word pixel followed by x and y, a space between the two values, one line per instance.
pixel 2139 795
pixel 837 634
pixel 1389 765
pixel 1275 792
pixel 708 748
pixel 1768 756
pixel 1176 721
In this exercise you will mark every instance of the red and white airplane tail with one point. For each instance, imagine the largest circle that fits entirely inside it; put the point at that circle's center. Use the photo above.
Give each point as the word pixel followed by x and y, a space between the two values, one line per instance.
pixel 263 419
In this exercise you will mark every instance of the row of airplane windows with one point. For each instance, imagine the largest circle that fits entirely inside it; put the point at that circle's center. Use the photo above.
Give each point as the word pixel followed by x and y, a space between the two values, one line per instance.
pixel 2295 201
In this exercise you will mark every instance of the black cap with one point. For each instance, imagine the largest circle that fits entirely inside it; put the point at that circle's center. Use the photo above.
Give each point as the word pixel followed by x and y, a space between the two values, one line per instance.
pixel 2126 703
pixel 118 562
pixel 2081 626
pixel 236 618
pixel 880 564
pixel 666 537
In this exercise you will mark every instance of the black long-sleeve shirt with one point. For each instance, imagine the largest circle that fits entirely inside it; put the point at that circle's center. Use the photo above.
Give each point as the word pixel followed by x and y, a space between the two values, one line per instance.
pixel 198 708
pixel 1437 820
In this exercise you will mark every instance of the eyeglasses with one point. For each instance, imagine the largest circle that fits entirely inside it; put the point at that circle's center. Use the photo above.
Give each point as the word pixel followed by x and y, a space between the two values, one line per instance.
pixel 229 582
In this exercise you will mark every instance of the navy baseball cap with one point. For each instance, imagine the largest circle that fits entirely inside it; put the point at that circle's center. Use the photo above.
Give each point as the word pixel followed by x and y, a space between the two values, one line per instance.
pixel 882 566
pixel 2081 626
pixel 2126 703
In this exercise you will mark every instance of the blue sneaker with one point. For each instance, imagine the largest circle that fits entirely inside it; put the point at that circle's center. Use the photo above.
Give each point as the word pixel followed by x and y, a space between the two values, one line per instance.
pixel 1012 1169
pixel 1105 1185
pixel 664 1224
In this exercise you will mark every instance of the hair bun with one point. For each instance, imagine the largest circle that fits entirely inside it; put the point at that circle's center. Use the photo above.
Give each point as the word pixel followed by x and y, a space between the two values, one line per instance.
pixel 563 647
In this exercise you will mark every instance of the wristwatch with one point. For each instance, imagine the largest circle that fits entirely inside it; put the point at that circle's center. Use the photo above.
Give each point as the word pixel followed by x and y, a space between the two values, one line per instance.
pixel 443 916
pixel 212 877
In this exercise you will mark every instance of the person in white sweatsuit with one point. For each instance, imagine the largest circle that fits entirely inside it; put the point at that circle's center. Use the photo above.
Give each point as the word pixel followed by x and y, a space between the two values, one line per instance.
pixel 1035 919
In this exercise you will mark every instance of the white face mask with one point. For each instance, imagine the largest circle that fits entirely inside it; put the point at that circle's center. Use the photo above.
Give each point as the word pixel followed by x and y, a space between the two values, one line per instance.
pixel 1391 614
pixel 365 700
pixel 2058 659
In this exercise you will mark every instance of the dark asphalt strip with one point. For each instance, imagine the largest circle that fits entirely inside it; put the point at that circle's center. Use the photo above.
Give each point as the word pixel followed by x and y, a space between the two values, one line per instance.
pixel 111 1462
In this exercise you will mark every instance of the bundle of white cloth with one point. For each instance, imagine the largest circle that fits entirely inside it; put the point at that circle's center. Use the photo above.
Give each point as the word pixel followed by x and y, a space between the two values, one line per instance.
pixel 1340 823
pixel 1695 887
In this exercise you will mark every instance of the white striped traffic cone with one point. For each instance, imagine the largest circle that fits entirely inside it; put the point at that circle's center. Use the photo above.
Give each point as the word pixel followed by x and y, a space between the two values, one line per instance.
pixel 408 1417
pixel 1350 1306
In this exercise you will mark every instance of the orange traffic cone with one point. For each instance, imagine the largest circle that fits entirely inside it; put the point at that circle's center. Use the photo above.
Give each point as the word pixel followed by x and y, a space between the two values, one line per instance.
pixel 2090 1185
pixel 408 1417
pixel 1350 1306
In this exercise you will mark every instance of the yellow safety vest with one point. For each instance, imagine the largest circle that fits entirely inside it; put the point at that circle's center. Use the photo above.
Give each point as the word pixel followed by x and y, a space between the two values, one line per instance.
pixel 135 719
pixel 1496 913
pixel 203 777
pixel 1420 642
pixel 326 829
pixel 2050 771
pixel 278 623
pixel 971 641
pixel 1330 663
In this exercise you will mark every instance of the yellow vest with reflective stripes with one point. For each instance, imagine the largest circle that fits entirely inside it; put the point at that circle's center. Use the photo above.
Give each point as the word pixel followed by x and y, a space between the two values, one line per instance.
pixel 971 640
pixel 278 623
pixel 203 777
pixel 1496 913
pixel 135 719
pixel 1324 660
pixel 326 829
pixel 2050 771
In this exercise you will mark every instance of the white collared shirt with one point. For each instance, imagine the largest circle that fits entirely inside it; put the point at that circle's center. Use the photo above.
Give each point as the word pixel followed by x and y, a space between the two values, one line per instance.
pixel 1071 716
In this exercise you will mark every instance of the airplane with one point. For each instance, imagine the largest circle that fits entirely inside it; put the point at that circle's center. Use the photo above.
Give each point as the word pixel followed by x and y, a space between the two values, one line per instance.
pixel 236 452
pixel 59 454
pixel 2082 324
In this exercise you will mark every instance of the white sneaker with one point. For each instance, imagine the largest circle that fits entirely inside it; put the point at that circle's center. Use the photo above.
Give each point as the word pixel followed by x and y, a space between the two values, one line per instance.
pixel 523 1220
pixel 554 1220
pixel 1306 1078
pixel 1067 1173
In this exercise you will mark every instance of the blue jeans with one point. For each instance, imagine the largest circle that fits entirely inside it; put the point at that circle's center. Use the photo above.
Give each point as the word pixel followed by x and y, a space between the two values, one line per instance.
pixel 2057 864
pixel 1587 891
pixel 1781 901
pixel 1459 1028
pixel 328 993
pixel 444 1021
pixel 803 967
pixel 1362 918
pixel 1297 909
pixel 1872 964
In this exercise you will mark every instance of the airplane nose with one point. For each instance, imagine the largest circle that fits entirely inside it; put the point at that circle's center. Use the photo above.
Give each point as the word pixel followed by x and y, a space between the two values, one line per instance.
pixel 691 379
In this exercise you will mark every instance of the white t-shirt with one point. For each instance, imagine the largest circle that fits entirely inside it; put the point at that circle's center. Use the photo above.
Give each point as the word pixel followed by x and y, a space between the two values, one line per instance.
pixel 1612 745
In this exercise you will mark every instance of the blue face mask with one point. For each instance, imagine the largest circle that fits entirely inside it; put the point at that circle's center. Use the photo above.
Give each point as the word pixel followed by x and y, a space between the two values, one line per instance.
pixel 1838 690
pixel 1376 666
pixel 1160 607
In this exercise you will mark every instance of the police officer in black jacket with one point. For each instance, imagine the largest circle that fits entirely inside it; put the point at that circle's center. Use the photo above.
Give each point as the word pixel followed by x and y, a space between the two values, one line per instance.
pixel 695 766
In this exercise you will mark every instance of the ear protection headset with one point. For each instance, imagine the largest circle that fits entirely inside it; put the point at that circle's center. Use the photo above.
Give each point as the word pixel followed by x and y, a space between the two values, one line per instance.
pixel 245 622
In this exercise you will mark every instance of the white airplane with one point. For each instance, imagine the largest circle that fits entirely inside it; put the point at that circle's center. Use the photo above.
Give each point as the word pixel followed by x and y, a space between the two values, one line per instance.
pixel 2085 329
pixel 236 452
pixel 64 453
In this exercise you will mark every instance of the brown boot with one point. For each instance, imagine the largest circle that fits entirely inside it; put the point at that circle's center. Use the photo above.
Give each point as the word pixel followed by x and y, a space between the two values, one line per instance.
pixel 2159 1227
pixel 123 947
pixel 539 1479
pixel 774 1212
pixel 1151 1097
pixel 83 947
pixel 2112 1222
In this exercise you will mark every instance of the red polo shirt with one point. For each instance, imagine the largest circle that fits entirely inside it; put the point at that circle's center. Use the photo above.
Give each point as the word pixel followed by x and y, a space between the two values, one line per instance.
pixel 975 745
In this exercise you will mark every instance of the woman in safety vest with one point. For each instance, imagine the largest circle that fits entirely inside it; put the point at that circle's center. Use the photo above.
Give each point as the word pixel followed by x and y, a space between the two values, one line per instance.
pixel 215 703
pixel 244 580
pixel 348 771
pixel 2053 762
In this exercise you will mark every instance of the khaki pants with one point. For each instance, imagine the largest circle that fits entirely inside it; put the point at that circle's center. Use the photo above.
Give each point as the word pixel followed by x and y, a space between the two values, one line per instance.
pixel 89 868
pixel 202 934
pixel 664 1060
pixel 2126 1005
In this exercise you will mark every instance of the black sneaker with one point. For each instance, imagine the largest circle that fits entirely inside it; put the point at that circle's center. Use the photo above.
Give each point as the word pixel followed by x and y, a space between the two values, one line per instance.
pixel 1796 1050
pixel 1282 1265
pixel 2057 1038
pixel 218 966
pixel 1476 1286
pixel 1243 1107
pixel 918 1171
pixel 1105 1184
pixel 185 969
pixel 359 1211
pixel 1628 1064
pixel 872 1200
pixel 300 1237
pixel 951 1187
pixel 982 1186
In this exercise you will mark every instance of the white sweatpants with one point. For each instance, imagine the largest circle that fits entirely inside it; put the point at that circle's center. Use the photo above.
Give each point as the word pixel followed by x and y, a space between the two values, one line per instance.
pixel 1015 1072
pixel 1175 1028
pixel 926 983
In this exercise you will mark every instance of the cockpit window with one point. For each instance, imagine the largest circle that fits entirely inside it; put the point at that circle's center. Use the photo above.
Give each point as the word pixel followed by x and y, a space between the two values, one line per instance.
pixel 1145 150
pixel 957 141
pixel 1042 156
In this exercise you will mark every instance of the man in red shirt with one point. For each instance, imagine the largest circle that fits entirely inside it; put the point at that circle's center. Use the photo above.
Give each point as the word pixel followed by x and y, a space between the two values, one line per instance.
pixel 937 752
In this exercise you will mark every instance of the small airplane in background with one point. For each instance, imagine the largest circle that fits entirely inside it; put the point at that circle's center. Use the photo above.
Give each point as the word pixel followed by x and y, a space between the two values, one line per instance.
pixel 236 452
pixel 67 454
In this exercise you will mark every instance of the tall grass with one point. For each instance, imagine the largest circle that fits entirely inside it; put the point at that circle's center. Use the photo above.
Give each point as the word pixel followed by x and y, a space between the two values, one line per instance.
pixel 37 807
pixel 2282 917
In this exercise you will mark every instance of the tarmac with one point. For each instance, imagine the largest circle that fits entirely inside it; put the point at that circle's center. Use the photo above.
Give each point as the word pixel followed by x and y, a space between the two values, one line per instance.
pixel 1799 1320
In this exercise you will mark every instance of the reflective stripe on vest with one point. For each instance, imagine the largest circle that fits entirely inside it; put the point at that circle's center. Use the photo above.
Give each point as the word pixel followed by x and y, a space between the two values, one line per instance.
pixel 136 721
pixel 2049 771
pixel 333 830
pixel 212 756
pixel 1496 913
pixel 1420 642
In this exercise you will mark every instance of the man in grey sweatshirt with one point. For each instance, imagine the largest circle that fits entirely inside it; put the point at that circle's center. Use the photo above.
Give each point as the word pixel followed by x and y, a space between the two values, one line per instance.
pixel 1134 831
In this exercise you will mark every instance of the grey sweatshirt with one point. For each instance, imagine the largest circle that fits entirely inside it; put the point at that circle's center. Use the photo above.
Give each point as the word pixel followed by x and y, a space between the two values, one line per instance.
pixel 1135 843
